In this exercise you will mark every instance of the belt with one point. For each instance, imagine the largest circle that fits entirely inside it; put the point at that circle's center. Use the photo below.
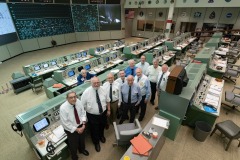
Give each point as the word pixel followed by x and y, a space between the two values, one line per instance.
pixel 114 101
pixel 129 103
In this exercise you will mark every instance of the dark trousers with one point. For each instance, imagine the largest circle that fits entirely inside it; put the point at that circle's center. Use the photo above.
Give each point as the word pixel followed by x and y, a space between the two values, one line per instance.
pixel 143 107
pixel 76 142
pixel 153 89
pixel 97 124
pixel 132 109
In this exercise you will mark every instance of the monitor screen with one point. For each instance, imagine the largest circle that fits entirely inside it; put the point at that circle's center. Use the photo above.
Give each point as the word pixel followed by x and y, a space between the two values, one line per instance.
pixel 40 125
pixel 98 49
pixel 107 59
pixel 87 67
pixel 37 67
pixel 79 55
pixel 53 63
pixel 71 73
pixel 114 56
pixel 85 54
pixel 45 65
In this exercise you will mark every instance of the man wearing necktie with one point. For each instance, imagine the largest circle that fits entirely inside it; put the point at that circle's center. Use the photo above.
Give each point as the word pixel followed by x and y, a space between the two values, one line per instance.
pixel 131 69
pixel 96 102
pixel 112 87
pixel 84 77
pixel 122 78
pixel 130 96
pixel 162 80
pixel 144 85
pixel 143 65
pixel 73 119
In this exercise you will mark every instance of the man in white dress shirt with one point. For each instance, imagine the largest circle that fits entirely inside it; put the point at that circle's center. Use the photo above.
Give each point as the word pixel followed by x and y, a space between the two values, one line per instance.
pixel 112 88
pixel 143 65
pixel 145 88
pixel 152 73
pixel 73 119
pixel 96 102
pixel 122 78
pixel 162 80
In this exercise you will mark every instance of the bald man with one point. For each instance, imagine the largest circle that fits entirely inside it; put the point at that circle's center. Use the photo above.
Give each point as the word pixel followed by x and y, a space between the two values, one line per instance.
pixel 130 96
pixel 131 69
pixel 96 102
pixel 144 85
pixel 112 88
pixel 162 80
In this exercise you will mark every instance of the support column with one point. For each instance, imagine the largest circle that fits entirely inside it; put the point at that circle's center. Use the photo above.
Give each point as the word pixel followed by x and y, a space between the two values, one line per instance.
pixel 170 17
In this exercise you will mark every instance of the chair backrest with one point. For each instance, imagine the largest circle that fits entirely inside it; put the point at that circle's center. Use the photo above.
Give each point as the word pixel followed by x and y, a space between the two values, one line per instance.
pixel 37 81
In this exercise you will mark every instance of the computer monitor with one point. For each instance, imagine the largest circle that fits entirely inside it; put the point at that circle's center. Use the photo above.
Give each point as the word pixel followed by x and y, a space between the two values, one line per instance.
pixel 37 67
pixel 40 125
pixel 85 53
pixel 71 73
pixel 102 48
pixel 114 56
pixel 45 65
pixel 98 49
pixel 87 67
pixel 79 55
pixel 107 59
pixel 53 63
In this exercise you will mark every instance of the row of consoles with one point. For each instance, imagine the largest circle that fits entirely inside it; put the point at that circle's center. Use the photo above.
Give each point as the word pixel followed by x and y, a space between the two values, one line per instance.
pixel 94 66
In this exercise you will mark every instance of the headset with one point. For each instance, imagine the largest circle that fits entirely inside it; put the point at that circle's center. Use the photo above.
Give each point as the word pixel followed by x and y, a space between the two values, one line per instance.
pixel 16 127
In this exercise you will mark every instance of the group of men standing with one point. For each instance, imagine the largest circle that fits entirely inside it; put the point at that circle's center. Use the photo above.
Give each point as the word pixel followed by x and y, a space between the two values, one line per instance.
pixel 99 104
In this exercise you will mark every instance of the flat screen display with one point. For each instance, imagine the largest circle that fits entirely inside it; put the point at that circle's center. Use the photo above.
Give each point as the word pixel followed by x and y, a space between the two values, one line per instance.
pixel 71 73
pixel 87 67
pixel 53 63
pixel 37 67
pixel 107 59
pixel 7 30
pixel 45 65
pixel 40 125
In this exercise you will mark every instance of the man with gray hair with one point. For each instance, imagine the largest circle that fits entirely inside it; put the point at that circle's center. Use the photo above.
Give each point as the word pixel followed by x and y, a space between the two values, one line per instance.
pixel 73 119
pixel 112 88
pixel 131 69
pixel 96 102
pixel 122 78
pixel 143 65
pixel 84 77
pixel 152 74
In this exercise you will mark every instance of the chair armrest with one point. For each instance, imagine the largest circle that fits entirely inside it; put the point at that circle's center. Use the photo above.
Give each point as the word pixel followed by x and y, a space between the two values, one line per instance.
pixel 236 95
pixel 236 87
pixel 131 132
pixel 137 123
pixel 116 131
pixel 234 65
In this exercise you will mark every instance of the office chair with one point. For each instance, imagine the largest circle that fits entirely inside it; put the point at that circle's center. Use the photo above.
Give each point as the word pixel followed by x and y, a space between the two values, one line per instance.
pixel 232 71
pixel 233 98
pixel 37 83
pixel 125 132
pixel 193 52
pixel 229 130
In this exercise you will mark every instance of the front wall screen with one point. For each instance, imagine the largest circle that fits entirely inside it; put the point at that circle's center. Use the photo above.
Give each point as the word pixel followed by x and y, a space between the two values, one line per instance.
pixel 7 31
pixel 109 17
pixel 41 20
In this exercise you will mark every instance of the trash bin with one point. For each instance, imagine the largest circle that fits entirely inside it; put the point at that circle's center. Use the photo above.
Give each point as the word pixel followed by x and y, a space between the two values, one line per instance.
pixel 202 130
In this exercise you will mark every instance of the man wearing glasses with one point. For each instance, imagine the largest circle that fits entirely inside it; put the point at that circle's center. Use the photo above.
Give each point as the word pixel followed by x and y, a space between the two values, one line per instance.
pixel 73 119
pixel 96 102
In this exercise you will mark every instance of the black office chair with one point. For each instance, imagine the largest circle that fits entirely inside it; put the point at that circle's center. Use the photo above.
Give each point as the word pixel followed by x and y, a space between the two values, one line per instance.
pixel 229 130
pixel 37 83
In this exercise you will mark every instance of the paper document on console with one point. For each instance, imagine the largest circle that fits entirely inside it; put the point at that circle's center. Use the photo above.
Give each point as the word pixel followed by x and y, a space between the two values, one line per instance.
pixel 160 122
pixel 59 132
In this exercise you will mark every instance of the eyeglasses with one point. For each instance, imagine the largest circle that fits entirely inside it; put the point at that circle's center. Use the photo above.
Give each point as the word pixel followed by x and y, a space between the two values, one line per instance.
pixel 73 97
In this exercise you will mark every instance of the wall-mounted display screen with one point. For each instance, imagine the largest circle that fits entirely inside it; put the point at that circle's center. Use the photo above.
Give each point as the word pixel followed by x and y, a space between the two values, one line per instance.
pixel 85 18
pixel 109 17
pixel 7 30
pixel 41 20
pixel 40 125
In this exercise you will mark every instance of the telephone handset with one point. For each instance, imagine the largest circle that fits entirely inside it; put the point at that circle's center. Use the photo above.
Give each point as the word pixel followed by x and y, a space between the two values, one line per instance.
pixel 16 127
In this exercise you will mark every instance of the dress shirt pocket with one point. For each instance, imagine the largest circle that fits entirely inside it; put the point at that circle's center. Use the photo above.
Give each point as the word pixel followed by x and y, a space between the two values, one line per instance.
pixel 89 105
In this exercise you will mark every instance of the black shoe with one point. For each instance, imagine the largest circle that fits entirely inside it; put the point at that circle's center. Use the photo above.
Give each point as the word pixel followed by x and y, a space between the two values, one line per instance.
pixel 97 147
pixel 85 152
pixel 103 139
pixel 140 119
pixel 107 126
pixel 156 108
pixel 121 122
pixel 152 103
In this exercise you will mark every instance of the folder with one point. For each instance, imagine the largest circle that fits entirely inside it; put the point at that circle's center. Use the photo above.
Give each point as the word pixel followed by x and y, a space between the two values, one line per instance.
pixel 136 152
pixel 141 144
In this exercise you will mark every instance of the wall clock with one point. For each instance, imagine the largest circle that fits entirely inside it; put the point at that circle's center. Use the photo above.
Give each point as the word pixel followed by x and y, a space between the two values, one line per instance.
pixel 229 15
pixel 141 14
